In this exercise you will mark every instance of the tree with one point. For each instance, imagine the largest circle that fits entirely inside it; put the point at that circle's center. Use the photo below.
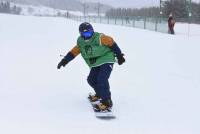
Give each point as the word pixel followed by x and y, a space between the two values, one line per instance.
pixel 5 7
pixel 16 10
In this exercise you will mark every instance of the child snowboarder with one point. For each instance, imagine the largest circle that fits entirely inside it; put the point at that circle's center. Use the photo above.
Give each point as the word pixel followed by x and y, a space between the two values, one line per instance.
pixel 99 52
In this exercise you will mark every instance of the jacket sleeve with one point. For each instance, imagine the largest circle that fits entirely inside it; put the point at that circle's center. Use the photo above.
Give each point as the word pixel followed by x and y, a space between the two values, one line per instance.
pixel 108 41
pixel 72 54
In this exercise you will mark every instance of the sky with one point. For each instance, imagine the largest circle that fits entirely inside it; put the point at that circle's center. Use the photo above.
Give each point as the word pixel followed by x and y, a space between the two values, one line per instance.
pixel 130 3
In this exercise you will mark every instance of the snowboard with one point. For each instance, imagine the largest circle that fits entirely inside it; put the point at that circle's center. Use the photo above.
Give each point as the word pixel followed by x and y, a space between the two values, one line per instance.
pixel 106 115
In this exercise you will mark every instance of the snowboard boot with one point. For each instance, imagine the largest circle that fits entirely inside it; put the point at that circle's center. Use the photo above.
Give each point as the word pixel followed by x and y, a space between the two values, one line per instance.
pixel 94 99
pixel 104 106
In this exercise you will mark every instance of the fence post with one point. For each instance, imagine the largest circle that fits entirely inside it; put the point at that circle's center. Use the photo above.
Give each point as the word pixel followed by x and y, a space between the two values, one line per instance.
pixel 156 24
pixel 122 21
pixel 115 20
pixel 133 22
pixel 145 23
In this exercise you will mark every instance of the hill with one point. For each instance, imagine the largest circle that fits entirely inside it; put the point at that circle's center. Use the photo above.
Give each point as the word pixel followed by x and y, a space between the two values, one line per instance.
pixel 73 5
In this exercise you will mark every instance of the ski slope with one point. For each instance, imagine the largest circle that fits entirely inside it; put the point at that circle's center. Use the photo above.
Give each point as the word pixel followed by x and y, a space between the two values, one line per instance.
pixel 155 92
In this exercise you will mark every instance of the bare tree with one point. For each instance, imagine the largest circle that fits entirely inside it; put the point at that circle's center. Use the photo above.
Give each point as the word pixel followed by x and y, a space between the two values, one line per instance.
pixel 85 7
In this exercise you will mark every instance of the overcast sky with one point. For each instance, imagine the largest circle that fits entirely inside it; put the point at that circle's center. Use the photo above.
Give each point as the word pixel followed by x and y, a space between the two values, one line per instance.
pixel 130 3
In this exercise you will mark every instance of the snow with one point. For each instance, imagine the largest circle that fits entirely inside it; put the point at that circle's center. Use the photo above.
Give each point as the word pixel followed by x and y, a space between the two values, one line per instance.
pixel 155 92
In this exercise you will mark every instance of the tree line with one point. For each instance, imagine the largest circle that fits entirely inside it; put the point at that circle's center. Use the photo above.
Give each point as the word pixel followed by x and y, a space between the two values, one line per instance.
pixel 182 8
pixel 5 7
pixel 128 12
pixel 179 9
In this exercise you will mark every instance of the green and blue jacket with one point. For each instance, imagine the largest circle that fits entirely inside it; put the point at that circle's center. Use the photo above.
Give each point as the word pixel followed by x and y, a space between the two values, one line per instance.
pixel 98 50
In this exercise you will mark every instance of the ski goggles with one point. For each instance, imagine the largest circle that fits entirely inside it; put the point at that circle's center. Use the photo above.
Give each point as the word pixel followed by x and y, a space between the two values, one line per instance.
pixel 87 34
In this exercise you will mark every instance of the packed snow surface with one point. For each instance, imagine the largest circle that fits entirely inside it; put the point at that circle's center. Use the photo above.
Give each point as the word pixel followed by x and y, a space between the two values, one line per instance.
pixel 155 92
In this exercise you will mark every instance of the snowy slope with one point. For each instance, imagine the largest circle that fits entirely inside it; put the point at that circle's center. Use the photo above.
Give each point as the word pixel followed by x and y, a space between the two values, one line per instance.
pixel 155 92
pixel 43 10
pixel 31 10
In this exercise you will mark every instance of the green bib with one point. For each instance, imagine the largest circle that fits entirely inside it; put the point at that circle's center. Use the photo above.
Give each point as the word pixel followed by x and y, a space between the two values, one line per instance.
pixel 93 52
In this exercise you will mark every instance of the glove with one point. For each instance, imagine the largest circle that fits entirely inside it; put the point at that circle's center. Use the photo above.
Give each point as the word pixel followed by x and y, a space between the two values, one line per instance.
pixel 120 59
pixel 63 62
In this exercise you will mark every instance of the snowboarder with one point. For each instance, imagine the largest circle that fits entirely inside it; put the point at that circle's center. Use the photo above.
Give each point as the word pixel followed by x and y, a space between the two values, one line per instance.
pixel 171 23
pixel 99 52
